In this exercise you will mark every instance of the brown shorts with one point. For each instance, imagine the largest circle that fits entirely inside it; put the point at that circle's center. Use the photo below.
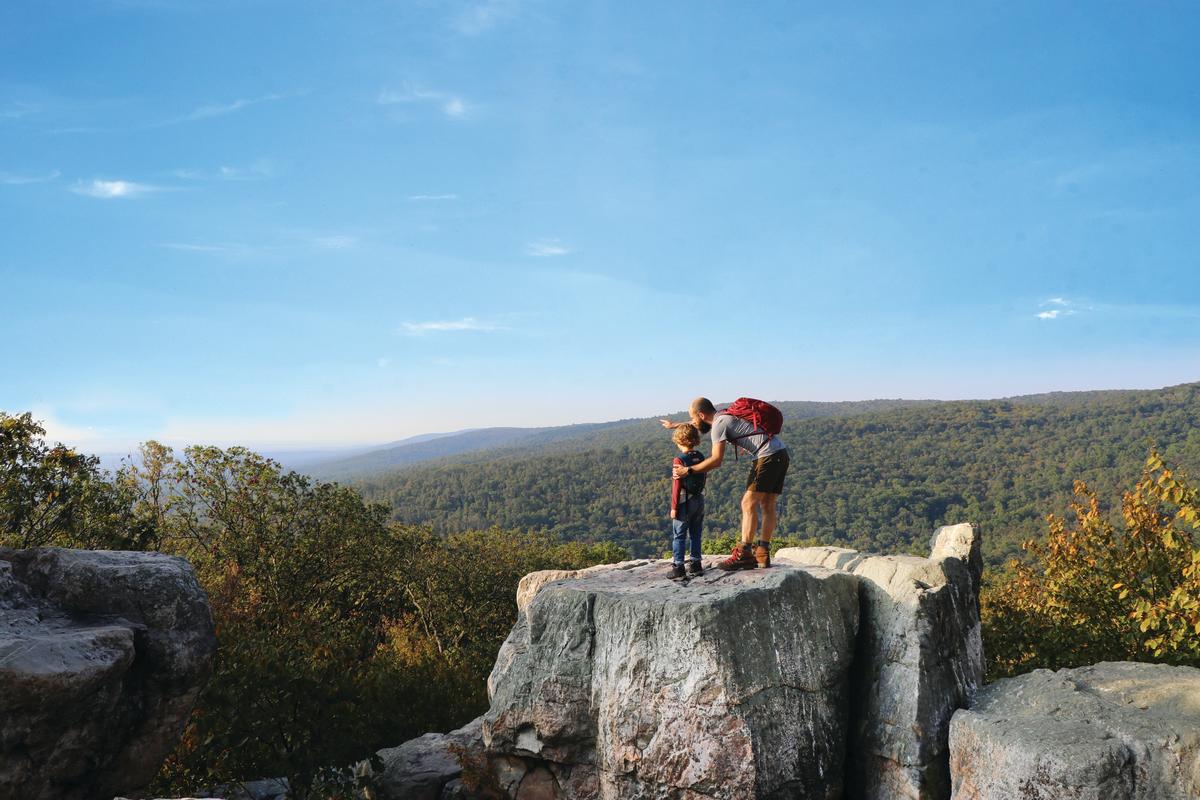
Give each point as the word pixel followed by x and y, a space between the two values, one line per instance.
pixel 766 473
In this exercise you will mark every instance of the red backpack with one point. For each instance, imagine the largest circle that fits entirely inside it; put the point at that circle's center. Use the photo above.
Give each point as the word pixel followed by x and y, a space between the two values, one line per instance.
pixel 763 416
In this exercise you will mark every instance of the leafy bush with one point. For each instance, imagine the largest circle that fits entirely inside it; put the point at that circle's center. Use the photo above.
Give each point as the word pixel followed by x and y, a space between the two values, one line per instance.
pixel 339 634
pixel 1093 592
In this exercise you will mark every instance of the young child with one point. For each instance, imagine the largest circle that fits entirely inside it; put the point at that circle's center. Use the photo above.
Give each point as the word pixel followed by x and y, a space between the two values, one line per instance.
pixel 687 504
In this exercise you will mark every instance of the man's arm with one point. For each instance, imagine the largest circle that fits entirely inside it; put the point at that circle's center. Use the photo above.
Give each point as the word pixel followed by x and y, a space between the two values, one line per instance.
pixel 710 463
pixel 666 423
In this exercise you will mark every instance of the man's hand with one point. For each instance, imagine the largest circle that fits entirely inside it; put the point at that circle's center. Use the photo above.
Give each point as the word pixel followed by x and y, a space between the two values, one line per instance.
pixel 679 471
pixel 666 423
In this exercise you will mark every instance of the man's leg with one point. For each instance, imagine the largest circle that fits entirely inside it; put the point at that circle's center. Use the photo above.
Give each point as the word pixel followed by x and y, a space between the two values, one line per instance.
pixel 750 506
pixel 770 514
pixel 763 504
pixel 743 554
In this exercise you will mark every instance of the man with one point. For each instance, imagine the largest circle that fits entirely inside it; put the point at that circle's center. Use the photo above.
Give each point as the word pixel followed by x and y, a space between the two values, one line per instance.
pixel 763 486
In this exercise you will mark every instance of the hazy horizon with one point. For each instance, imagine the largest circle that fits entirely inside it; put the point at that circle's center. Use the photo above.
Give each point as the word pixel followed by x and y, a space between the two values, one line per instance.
pixel 314 447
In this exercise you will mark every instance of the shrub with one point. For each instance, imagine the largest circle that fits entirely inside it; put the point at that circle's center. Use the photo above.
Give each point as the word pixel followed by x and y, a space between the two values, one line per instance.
pixel 1093 591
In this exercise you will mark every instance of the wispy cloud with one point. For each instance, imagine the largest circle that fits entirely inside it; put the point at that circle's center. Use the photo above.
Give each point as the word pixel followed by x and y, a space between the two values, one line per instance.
pixel 1058 307
pixel 293 244
pixel 257 171
pixel 546 248
pixel 207 111
pixel 450 104
pixel 444 326
pixel 211 110
pixel 8 179
pixel 479 18
pixel 417 198
pixel 232 250
pixel 114 190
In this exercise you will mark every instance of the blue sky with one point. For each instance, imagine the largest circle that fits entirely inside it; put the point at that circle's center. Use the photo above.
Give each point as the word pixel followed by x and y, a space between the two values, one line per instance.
pixel 303 223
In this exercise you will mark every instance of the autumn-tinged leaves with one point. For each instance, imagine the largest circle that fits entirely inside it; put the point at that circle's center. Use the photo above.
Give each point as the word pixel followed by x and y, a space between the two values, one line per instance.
pixel 1094 591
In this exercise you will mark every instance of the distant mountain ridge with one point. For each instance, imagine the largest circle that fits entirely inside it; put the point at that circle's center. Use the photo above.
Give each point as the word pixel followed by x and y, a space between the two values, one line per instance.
pixel 875 477
pixel 482 442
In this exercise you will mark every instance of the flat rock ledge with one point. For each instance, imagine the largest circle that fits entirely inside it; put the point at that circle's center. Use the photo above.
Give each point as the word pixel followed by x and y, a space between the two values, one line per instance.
pixel 919 658
pixel 102 656
pixel 1112 731
pixel 620 683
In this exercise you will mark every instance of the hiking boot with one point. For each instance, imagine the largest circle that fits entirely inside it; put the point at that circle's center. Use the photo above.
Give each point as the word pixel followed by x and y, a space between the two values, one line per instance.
pixel 677 572
pixel 742 558
pixel 762 554
pixel 695 568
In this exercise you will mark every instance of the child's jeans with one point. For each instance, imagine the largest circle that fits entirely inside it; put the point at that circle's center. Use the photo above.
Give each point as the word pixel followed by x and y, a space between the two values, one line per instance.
pixel 688 522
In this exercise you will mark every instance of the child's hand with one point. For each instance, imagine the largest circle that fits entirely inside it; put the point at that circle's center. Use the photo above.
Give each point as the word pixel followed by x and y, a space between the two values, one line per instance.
pixel 672 513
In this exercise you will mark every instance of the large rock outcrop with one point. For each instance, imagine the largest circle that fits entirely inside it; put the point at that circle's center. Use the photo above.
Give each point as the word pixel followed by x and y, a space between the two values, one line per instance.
pixel 919 658
pixel 102 655
pixel 624 684
pixel 1113 731
pixel 618 683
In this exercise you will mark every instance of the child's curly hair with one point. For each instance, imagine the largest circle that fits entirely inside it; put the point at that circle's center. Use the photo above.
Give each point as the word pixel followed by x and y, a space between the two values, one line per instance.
pixel 686 435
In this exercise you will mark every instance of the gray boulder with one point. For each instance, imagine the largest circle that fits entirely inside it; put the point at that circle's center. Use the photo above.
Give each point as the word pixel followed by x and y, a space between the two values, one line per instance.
pixel 102 656
pixel 920 657
pixel 425 768
pixel 1113 731
pixel 624 684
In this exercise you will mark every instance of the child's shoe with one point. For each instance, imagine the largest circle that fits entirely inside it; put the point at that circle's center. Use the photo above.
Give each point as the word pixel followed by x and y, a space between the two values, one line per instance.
pixel 762 554
pixel 677 572
pixel 742 558
pixel 695 568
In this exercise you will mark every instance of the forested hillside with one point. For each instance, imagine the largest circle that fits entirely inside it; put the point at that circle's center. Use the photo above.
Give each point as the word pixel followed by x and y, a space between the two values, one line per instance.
pixel 881 479
pixel 484 442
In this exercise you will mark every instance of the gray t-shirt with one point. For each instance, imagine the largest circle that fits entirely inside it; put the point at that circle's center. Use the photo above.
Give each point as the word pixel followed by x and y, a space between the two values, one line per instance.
pixel 728 428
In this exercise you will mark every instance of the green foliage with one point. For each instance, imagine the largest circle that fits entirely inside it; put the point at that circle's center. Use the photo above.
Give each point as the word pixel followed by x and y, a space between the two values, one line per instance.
pixel 297 575
pixel 52 495
pixel 1094 593
pixel 341 631
pixel 882 480
pixel 460 591
pixel 338 633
